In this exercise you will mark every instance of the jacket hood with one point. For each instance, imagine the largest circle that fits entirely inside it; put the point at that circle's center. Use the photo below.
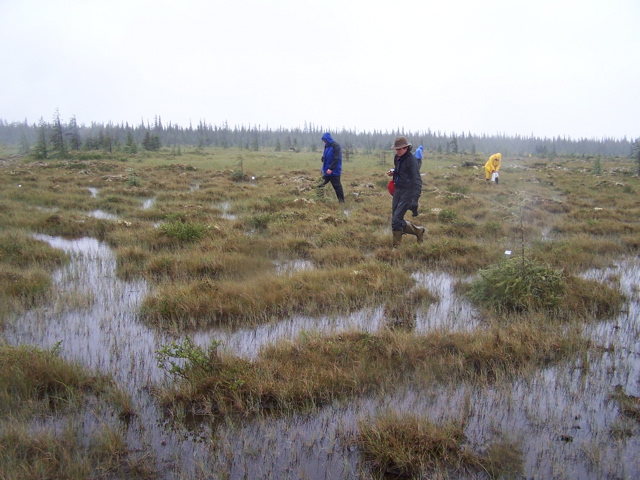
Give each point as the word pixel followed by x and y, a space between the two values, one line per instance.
pixel 327 137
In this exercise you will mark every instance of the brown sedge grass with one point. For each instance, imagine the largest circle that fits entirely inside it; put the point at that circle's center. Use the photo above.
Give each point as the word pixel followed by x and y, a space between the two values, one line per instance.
pixel 28 455
pixel 335 290
pixel 314 369
pixel 409 445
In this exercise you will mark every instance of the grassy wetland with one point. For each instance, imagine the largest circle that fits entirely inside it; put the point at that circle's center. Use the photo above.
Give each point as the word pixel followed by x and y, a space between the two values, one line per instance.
pixel 213 315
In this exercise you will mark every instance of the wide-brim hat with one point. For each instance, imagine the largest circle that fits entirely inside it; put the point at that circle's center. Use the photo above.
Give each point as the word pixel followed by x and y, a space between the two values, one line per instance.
pixel 400 142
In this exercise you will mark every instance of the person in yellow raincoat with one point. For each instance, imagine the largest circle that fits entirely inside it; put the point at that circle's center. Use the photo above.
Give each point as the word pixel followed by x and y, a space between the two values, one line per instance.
pixel 492 165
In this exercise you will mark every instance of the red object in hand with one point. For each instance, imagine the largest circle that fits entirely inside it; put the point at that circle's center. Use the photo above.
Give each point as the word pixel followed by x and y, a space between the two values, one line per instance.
pixel 391 187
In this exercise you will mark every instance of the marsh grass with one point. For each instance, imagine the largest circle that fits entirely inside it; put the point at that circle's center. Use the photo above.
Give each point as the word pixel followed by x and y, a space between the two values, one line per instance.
pixel 37 383
pixel 279 214
pixel 315 370
pixel 256 299
pixel 409 446
pixel 208 244
pixel 26 455
pixel 25 269
pixel 629 404
pixel 400 310
pixel 30 375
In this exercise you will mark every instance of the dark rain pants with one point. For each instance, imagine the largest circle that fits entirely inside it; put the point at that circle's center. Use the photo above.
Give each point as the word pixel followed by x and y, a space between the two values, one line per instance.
pixel 335 183
pixel 401 204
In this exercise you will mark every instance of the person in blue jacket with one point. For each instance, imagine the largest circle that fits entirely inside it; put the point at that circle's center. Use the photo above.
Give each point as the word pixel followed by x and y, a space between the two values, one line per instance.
pixel 332 165
pixel 408 187
pixel 418 155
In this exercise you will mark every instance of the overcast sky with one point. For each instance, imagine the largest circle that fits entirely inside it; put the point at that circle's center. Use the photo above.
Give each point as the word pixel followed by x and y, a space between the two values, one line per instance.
pixel 545 67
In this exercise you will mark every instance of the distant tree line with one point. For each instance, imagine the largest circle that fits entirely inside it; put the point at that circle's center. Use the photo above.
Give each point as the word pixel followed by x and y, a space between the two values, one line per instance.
pixel 57 139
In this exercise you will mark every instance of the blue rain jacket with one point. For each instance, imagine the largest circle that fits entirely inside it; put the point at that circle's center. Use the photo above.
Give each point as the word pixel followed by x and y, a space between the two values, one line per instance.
pixel 418 156
pixel 332 156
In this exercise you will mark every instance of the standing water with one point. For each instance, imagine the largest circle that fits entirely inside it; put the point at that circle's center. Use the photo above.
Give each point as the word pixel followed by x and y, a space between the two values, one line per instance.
pixel 94 318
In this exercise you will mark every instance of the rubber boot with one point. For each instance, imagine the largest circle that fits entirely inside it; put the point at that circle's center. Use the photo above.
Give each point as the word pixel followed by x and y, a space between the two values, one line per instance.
pixel 415 230
pixel 397 238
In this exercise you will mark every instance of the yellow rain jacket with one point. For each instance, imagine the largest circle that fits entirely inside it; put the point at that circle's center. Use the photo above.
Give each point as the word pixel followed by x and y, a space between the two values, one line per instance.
pixel 492 165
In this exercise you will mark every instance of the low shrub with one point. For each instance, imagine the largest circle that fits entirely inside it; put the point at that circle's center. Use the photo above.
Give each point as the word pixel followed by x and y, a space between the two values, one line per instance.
pixel 184 231
pixel 518 284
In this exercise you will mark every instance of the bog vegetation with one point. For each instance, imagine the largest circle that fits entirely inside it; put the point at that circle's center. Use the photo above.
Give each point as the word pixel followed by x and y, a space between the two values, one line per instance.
pixel 217 224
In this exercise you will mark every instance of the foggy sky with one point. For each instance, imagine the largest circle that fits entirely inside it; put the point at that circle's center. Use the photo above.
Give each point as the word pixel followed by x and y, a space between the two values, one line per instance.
pixel 546 68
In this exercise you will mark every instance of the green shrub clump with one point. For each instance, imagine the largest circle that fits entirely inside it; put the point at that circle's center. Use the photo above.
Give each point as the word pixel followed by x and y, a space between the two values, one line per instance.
pixel 184 231
pixel 519 284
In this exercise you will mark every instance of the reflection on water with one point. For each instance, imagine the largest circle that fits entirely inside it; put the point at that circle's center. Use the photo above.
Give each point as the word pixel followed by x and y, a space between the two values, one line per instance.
pixel 105 335
pixel 450 312
pixel 287 267
pixel 148 203
pixel 225 211
pixel 102 215
pixel 558 403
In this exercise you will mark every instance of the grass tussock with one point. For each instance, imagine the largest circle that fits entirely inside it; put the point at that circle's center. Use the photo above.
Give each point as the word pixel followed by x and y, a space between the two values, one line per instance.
pixel 315 370
pixel 629 404
pixel 26 455
pixel 37 383
pixel 579 253
pixel 24 288
pixel 29 374
pixel 256 299
pixel 25 264
pixel 410 446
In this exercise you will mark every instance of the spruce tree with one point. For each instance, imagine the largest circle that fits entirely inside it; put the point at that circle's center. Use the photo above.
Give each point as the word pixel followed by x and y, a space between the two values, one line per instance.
pixel 74 135
pixel 155 142
pixel 130 146
pixel 39 151
pixel 146 141
pixel 58 147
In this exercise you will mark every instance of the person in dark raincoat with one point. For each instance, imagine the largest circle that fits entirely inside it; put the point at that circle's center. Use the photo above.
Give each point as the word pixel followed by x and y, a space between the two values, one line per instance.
pixel 332 165
pixel 407 189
